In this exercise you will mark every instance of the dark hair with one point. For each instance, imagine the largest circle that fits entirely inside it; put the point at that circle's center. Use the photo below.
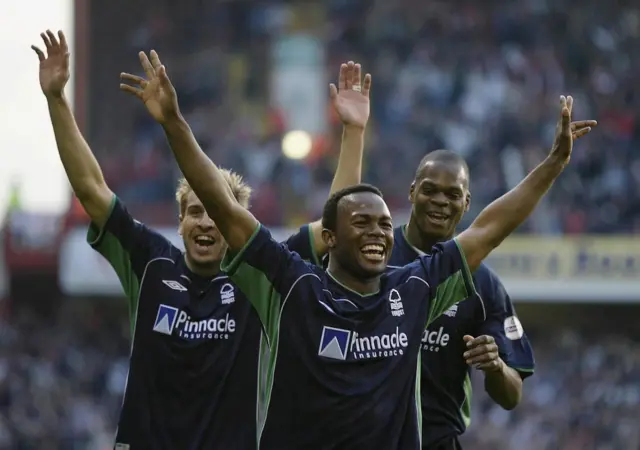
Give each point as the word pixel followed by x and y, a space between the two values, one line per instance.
pixel 442 156
pixel 330 211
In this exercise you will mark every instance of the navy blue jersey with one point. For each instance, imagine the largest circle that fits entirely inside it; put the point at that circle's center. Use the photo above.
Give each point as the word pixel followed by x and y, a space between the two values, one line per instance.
pixel 342 367
pixel 446 386
pixel 192 380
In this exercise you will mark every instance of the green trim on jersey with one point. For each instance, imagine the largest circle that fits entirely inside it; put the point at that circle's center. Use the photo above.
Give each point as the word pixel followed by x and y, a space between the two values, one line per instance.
pixel 312 246
pixel 418 396
pixel 267 302
pixel 256 287
pixel 347 288
pixel 465 408
pixel 452 290
pixel 110 248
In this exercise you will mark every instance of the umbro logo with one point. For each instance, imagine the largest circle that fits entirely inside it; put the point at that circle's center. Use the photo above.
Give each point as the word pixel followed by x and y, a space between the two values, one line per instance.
pixel 175 285
pixel 451 312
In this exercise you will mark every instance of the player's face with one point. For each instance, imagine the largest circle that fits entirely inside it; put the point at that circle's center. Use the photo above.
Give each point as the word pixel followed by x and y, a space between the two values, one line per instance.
pixel 440 198
pixel 364 234
pixel 203 242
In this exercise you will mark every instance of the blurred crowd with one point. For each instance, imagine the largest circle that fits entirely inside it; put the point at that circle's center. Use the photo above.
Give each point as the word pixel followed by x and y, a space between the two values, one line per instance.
pixel 480 78
pixel 62 379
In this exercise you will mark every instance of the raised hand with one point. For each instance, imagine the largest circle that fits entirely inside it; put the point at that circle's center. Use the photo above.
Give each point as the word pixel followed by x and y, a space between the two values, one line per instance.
pixel 567 131
pixel 351 98
pixel 54 66
pixel 156 91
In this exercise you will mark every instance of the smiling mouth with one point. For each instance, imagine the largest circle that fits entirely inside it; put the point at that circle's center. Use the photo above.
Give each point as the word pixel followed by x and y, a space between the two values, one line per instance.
pixel 373 252
pixel 204 241
pixel 437 217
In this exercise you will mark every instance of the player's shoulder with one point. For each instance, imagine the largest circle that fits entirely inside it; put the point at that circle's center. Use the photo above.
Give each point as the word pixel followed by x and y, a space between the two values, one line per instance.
pixel 488 285
pixel 485 278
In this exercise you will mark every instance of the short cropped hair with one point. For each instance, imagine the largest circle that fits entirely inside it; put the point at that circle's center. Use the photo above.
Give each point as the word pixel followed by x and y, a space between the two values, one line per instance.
pixel 442 156
pixel 330 211
pixel 241 190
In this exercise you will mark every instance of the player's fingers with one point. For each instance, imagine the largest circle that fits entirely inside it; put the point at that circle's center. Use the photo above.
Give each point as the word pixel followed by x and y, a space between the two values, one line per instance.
pixel 131 90
pixel 164 78
pixel 481 359
pixel 155 60
pixel 39 52
pixel 489 365
pixel 53 40
pixel 342 77
pixel 480 350
pixel 570 104
pixel 47 42
pixel 480 340
pixel 146 65
pixel 583 124
pixel 582 132
pixel 366 85
pixel 333 91
pixel 566 122
pixel 349 75
pixel 63 41
pixel 357 76
pixel 133 79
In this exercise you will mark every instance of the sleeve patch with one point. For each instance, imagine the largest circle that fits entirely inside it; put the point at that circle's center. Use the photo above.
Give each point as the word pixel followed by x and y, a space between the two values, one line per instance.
pixel 513 328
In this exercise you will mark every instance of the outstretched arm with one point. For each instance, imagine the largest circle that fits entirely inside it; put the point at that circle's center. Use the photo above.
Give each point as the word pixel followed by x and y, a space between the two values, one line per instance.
pixel 351 102
pixel 504 215
pixel 79 163
pixel 236 224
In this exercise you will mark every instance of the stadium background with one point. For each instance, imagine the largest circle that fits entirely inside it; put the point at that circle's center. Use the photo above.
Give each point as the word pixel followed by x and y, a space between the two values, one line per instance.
pixel 481 78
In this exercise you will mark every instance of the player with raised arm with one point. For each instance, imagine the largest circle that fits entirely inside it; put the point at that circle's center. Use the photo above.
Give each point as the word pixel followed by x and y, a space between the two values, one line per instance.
pixel 192 381
pixel 344 343
pixel 483 332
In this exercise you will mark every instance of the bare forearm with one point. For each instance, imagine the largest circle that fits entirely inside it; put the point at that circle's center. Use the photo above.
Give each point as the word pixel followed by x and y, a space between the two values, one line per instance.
pixel 235 223
pixel 504 386
pixel 348 173
pixel 349 170
pixel 78 160
pixel 498 220
pixel 201 173
pixel 81 166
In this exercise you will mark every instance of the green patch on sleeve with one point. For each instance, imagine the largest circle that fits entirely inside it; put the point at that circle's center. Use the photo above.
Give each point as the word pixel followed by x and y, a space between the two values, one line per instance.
pixel 255 285
pixel 113 251
pixel 452 290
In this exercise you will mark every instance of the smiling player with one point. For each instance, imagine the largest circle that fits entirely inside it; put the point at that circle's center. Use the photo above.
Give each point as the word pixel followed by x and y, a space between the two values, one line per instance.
pixel 344 344
pixel 192 380
pixel 483 332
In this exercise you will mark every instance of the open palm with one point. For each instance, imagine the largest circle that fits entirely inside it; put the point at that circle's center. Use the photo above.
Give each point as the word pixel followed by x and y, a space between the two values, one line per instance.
pixel 54 66
pixel 351 98
pixel 156 91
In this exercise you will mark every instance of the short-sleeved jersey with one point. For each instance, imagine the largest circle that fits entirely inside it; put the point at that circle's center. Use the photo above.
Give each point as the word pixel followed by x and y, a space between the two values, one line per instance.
pixel 343 368
pixel 192 381
pixel 446 386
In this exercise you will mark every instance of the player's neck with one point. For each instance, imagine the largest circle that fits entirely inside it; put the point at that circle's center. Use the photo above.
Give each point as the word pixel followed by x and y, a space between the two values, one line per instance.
pixel 208 271
pixel 422 241
pixel 357 284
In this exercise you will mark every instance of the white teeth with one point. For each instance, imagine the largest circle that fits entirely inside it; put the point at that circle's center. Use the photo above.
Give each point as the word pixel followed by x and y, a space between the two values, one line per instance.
pixel 373 248
pixel 204 240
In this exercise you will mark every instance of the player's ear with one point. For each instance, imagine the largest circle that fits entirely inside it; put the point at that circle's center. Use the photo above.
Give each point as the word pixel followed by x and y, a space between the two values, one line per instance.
pixel 329 238
pixel 467 201
pixel 180 217
pixel 412 191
